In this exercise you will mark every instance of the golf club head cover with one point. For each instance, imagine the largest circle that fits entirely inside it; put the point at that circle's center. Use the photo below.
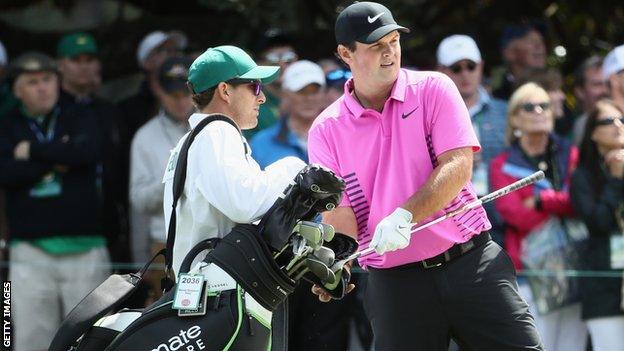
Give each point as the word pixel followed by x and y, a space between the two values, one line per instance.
pixel 343 247
pixel 322 186
pixel 315 189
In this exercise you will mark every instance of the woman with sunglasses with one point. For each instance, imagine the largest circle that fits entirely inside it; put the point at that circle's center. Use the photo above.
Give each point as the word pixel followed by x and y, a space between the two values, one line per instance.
pixel 552 81
pixel 598 196
pixel 533 146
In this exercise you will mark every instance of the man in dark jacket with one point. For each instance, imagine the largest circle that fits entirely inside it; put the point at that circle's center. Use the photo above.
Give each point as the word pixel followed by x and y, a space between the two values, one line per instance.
pixel 48 158
pixel 523 47
pixel 80 67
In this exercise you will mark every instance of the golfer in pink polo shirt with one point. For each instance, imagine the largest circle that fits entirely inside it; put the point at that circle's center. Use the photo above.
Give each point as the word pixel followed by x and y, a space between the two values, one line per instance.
pixel 404 144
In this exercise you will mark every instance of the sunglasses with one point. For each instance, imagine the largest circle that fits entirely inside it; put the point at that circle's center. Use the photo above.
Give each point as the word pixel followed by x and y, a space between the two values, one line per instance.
pixel 457 68
pixel 338 74
pixel 609 121
pixel 277 57
pixel 256 85
pixel 530 107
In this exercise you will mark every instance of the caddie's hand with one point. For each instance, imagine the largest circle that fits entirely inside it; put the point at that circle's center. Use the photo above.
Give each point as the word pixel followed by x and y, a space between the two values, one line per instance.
pixel 324 296
pixel 393 232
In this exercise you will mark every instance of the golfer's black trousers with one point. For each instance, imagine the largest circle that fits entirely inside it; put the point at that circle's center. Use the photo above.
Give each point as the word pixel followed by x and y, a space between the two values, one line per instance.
pixel 473 299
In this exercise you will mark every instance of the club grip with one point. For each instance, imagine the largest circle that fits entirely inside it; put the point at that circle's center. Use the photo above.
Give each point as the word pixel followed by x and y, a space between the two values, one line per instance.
pixel 513 186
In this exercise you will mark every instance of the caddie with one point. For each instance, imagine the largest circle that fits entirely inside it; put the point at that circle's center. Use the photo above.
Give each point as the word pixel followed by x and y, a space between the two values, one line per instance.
pixel 224 184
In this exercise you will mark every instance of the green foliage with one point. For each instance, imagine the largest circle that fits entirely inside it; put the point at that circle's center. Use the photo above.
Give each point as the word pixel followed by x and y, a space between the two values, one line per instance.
pixel 582 27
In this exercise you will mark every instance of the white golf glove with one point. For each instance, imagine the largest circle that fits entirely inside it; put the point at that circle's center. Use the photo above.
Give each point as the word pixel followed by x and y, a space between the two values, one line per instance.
pixel 393 232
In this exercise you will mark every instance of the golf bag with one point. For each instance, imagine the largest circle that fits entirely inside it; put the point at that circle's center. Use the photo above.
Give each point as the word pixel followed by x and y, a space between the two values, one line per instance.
pixel 248 274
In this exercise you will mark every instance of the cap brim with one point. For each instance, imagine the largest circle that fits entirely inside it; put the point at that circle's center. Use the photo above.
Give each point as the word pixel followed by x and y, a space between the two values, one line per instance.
pixel 381 32
pixel 302 83
pixel 266 74
pixel 91 52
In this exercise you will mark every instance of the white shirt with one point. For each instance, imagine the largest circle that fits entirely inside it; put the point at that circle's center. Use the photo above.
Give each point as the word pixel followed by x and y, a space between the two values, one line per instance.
pixel 224 186
pixel 148 158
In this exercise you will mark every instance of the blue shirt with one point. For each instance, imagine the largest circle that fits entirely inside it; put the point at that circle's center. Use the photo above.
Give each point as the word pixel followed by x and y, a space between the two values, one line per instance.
pixel 489 118
pixel 276 142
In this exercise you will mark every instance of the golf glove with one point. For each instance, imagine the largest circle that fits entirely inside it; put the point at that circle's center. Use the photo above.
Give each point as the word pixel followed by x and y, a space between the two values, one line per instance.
pixel 393 232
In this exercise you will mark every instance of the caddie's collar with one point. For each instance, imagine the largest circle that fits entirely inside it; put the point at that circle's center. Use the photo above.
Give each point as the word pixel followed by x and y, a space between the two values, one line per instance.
pixel 198 117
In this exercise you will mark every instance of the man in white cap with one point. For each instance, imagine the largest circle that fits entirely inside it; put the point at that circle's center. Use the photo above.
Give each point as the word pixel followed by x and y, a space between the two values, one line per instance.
pixel 613 74
pixel 303 83
pixel 157 46
pixel 313 324
pixel 460 59
pixel 136 110
pixel 153 50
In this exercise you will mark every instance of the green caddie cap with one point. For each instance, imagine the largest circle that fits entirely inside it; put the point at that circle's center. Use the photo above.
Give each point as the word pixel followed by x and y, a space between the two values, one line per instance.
pixel 76 44
pixel 223 63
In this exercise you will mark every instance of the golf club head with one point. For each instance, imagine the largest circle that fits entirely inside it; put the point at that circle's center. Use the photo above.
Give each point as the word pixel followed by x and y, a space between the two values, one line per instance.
pixel 328 232
pixel 320 270
pixel 312 232
pixel 325 255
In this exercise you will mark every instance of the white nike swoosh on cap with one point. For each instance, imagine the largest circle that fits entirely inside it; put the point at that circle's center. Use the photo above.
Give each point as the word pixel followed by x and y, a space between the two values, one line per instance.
pixel 371 20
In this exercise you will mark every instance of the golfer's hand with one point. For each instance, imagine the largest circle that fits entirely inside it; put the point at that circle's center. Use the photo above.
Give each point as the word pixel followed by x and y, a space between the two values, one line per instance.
pixel 393 232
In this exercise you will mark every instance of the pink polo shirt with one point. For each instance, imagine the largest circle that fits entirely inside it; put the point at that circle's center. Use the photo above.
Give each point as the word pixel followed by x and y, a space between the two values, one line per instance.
pixel 386 157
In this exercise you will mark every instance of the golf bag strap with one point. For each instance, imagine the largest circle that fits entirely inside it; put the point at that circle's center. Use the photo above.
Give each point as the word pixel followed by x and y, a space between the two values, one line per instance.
pixel 206 244
pixel 100 301
pixel 178 186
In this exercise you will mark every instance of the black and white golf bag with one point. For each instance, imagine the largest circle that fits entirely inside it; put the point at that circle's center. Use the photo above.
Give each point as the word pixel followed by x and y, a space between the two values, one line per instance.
pixel 247 275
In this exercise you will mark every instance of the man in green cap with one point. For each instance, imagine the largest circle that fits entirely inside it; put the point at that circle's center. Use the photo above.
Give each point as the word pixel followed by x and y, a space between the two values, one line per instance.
pixel 79 64
pixel 224 186
pixel 80 72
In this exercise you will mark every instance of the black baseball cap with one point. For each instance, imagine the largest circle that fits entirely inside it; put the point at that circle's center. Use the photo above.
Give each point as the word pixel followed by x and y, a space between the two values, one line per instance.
pixel 515 31
pixel 365 22
pixel 173 74
pixel 274 37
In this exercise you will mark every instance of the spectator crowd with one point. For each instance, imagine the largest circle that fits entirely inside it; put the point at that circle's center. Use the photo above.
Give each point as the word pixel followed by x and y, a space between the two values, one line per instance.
pixel 81 168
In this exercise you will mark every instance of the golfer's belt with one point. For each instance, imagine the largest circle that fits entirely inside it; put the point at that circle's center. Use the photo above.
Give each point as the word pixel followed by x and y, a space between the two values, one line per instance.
pixel 244 256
